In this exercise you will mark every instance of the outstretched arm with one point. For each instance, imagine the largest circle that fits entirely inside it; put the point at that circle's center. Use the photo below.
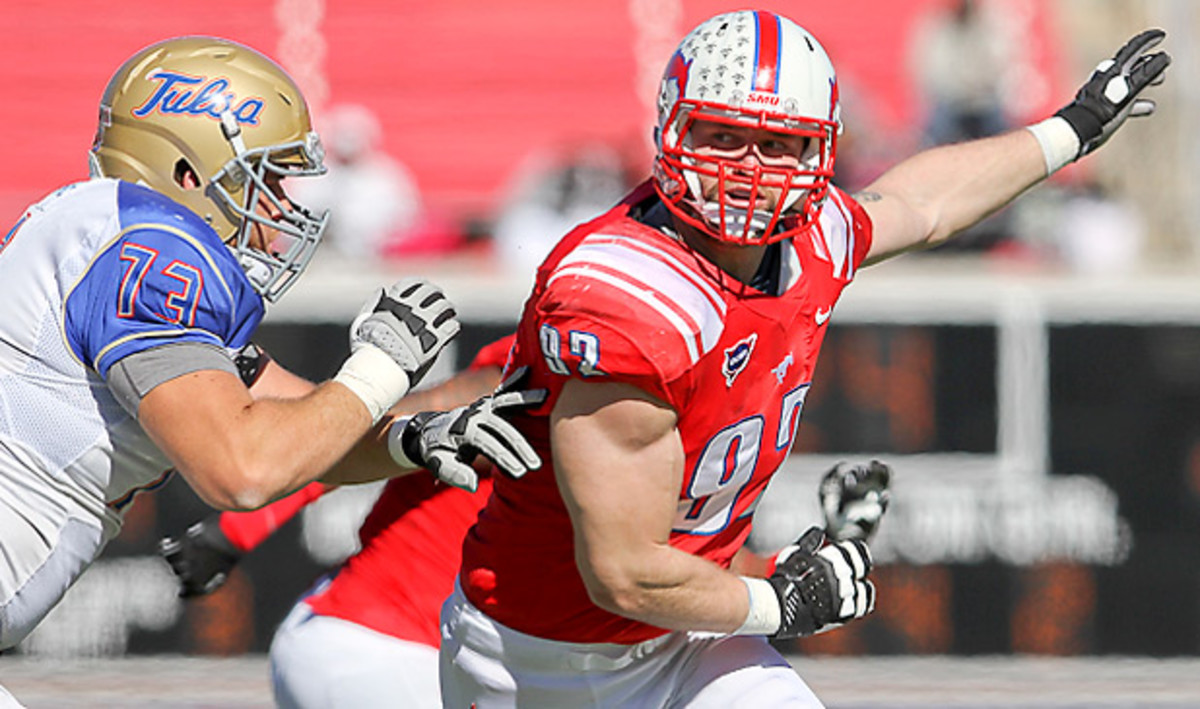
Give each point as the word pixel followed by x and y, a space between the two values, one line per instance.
pixel 204 555
pixel 370 459
pixel 935 194
pixel 238 449
pixel 239 452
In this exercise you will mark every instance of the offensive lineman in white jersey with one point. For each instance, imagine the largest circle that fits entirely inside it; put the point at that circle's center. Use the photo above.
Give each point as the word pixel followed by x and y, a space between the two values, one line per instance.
pixel 130 300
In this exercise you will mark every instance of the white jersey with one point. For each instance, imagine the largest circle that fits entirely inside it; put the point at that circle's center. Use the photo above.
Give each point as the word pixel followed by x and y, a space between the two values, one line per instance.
pixel 97 271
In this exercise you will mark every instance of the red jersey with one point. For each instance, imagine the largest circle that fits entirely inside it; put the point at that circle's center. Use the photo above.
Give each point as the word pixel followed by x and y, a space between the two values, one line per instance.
pixel 411 546
pixel 620 301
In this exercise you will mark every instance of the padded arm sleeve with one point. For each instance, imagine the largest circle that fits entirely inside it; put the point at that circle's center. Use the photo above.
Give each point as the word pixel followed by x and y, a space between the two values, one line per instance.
pixel 131 378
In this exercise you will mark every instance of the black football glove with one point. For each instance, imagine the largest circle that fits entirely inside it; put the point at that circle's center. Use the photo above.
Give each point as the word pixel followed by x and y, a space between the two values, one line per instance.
pixel 854 498
pixel 821 588
pixel 202 559
pixel 1111 94
pixel 446 442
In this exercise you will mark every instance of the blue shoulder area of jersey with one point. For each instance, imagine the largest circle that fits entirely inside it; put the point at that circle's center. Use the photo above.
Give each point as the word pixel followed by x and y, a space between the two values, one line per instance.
pixel 166 278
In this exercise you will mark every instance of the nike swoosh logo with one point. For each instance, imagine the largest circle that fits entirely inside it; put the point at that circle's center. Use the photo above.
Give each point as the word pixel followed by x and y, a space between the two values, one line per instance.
pixel 822 315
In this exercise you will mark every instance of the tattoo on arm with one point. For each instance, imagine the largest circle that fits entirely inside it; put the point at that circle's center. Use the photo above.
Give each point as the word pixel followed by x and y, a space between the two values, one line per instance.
pixel 868 196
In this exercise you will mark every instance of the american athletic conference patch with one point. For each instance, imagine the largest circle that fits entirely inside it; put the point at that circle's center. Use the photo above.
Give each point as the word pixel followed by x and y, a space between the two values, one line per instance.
pixel 737 357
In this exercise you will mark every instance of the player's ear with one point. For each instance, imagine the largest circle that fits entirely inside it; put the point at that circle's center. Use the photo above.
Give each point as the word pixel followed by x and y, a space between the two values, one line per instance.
pixel 185 175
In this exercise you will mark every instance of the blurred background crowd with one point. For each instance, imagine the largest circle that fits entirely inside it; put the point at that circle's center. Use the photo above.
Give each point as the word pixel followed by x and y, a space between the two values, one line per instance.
pixel 464 137
pixel 485 129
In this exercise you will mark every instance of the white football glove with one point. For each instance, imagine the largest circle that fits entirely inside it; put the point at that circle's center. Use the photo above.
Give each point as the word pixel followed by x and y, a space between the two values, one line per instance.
pixel 446 442
pixel 394 341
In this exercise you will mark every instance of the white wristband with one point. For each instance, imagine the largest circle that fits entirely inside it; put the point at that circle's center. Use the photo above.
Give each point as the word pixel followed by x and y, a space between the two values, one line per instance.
pixel 1059 143
pixel 394 445
pixel 375 378
pixel 764 616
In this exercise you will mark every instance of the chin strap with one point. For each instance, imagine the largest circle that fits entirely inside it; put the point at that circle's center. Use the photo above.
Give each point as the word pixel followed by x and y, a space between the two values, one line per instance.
pixel 232 131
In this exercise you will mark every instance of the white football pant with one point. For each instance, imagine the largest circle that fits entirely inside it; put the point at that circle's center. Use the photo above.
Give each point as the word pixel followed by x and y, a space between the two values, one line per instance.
pixel 321 662
pixel 488 665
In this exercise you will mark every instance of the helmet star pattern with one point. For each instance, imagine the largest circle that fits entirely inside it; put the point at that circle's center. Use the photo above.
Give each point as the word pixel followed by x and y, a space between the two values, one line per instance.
pixel 755 70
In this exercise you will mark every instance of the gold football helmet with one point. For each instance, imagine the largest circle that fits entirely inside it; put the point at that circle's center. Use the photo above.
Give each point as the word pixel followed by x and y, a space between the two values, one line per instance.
pixel 209 122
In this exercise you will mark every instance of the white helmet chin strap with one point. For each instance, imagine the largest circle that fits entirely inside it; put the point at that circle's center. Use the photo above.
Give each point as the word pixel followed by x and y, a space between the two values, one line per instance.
pixel 232 132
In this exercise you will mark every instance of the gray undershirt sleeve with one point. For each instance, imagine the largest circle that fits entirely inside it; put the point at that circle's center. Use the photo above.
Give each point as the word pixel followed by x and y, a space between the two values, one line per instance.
pixel 131 378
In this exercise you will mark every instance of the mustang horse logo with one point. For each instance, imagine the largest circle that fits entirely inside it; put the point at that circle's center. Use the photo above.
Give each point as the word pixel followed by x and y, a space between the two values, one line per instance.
pixel 677 71
pixel 780 370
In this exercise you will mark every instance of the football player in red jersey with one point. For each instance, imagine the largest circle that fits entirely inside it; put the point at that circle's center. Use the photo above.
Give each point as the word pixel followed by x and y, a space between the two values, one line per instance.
pixel 677 337
pixel 367 634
